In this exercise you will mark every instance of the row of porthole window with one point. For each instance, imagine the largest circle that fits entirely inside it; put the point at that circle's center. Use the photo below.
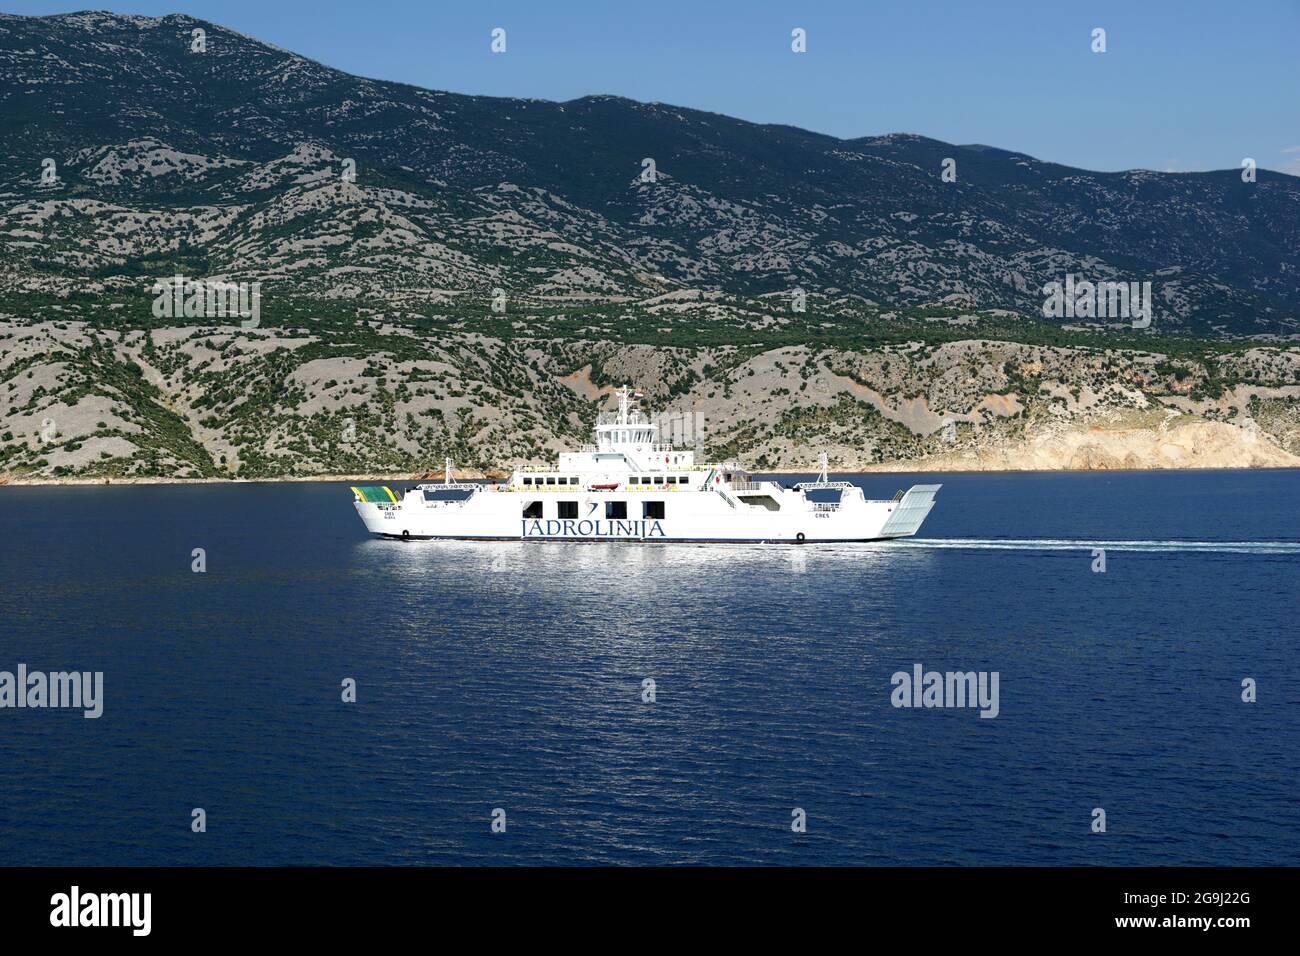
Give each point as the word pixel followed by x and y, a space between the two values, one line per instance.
pixel 614 510
pixel 660 480
pixel 634 480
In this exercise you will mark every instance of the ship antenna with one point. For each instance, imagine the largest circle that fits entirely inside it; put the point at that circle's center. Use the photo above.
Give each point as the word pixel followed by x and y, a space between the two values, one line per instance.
pixel 622 405
pixel 825 478
pixel 446 476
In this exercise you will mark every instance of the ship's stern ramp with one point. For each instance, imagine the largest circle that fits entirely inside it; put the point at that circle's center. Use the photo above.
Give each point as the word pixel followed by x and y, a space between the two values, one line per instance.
pixel 912 509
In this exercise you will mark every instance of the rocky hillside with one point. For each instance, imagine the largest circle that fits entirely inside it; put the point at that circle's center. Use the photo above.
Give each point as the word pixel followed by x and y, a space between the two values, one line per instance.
pixel 439 274
pixel 211 401
pixel 126 153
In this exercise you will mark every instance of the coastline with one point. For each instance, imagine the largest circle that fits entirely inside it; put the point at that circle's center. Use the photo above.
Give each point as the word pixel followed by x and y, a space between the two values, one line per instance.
pixel 891 468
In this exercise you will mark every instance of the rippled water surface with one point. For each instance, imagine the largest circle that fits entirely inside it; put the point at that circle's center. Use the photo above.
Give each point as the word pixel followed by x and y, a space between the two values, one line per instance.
pixel 510 676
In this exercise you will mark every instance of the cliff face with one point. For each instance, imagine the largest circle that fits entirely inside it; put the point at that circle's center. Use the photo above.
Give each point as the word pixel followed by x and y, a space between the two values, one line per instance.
pixel 226 402
pixel 1121 442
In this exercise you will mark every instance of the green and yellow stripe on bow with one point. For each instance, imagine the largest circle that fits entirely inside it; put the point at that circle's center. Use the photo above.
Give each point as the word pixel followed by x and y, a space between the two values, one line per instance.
pixel 374 494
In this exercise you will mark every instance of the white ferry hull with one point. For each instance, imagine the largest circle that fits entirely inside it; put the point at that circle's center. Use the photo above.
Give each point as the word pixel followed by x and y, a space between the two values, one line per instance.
pixel 630 487
pixel 697 516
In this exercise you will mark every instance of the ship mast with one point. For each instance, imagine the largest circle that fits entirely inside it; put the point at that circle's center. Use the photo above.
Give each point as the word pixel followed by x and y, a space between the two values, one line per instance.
pixel 824 479
pixel 622 405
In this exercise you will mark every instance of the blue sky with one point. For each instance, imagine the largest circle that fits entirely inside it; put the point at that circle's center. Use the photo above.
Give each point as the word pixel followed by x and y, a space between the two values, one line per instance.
pixel 1182 86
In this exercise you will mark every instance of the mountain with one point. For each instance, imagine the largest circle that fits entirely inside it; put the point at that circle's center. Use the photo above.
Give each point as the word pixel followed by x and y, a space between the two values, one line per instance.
pixel 231 161
pixel 430 274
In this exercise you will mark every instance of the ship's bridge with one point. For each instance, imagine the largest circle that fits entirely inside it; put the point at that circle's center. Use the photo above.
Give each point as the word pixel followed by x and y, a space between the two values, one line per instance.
pixel 627 436
pixel 624 440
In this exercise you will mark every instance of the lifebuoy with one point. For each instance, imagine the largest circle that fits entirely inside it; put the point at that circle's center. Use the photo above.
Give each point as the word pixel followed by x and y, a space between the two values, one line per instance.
pixel 799 537
pixel 406 535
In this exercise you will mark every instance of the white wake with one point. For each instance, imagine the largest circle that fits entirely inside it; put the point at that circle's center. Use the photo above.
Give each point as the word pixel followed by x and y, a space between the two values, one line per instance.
pixel 1065 544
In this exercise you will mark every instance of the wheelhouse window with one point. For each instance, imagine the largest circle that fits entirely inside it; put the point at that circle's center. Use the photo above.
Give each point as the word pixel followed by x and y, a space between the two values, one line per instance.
pixel 550 481
pixel 533 509
pixel 447 494
pixel 568 509
pixel 659 479
pixel 528 481
pixel 652 509
pixel 616 510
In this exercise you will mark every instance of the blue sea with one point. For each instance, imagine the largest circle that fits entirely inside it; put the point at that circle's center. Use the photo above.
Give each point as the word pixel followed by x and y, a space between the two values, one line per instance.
pixel 510 677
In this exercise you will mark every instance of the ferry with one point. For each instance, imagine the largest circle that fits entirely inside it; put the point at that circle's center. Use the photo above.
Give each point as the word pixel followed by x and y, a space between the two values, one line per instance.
pixel 629 486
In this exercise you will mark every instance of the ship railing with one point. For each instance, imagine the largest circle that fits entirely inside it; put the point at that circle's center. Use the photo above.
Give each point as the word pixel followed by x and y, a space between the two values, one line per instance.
pixel 586 488
pixel 742 485
pixel 885 501
pixel 634 419
pixel 453 486
pixel 825 506
pixel 642 447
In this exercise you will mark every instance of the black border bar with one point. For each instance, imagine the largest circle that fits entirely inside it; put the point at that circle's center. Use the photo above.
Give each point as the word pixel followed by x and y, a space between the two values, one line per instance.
pixel 337 904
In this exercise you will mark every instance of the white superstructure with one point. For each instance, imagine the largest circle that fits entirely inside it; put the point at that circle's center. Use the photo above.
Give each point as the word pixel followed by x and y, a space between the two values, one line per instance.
pixel 630 487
